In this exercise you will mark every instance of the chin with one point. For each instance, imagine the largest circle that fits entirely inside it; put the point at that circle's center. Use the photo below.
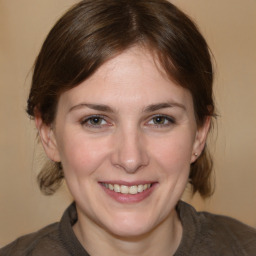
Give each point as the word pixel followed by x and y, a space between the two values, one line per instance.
pixel 129 226
pixel 131 232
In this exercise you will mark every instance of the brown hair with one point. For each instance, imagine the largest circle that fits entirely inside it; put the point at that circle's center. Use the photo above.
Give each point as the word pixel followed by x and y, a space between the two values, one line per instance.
pixel 92 32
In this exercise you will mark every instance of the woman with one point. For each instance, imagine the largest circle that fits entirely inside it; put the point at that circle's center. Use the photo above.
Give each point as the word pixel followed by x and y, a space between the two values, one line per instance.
pixel 122 99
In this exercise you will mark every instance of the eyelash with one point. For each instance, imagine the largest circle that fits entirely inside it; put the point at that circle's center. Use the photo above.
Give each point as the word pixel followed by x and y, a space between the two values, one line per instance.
pixel 168 119
pixel 85 122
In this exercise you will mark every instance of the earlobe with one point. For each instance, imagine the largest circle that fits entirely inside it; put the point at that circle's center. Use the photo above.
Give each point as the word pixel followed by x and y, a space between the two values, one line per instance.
pixel 48 139
pixel 200 139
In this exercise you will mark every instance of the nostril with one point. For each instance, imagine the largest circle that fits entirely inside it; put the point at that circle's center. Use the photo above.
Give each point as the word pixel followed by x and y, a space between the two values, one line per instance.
pixel 129 152
pixel 130 167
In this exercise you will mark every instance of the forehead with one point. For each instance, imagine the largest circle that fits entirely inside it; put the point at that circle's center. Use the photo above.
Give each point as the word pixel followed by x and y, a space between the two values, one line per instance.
pixel 132 77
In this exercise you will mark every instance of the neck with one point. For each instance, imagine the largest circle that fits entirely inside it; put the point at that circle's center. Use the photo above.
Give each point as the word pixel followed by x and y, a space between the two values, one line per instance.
pixel 163 240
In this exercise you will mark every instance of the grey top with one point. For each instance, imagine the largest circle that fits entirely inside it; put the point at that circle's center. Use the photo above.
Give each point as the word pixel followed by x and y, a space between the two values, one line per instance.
pixel 204 234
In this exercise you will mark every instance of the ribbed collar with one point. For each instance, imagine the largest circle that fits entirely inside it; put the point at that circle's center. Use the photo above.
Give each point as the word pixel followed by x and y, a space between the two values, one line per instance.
pixel 67 235
pixel 191 226
pixel 186 213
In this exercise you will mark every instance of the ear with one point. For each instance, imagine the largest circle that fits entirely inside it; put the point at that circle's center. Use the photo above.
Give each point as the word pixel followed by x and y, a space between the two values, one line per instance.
pixel 200 139
pixel 48 139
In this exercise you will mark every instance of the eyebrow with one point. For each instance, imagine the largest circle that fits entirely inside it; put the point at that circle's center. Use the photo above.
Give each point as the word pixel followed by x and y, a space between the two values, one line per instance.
pixel 158 106
pixel 150 108
pixel 99 107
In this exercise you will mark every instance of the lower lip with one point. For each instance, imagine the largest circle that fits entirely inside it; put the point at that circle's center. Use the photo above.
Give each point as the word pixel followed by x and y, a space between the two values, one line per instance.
pixel 129 198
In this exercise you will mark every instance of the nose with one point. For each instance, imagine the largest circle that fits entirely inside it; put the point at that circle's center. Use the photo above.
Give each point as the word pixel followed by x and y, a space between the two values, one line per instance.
pixel 130 153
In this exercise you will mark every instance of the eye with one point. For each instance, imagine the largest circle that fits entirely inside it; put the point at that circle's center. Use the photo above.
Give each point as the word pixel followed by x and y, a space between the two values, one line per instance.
pixel 94 121
pixel 160 121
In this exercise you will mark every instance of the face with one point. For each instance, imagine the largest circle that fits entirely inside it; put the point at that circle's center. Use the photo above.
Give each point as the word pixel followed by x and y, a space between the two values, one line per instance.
pixel 126 138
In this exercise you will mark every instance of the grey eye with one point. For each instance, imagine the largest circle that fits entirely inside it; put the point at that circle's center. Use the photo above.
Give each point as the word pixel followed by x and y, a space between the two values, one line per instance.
pixel 160 120
pixel 95 120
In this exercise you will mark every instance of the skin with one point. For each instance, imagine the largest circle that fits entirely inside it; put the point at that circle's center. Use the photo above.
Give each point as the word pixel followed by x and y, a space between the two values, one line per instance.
pixel 145 131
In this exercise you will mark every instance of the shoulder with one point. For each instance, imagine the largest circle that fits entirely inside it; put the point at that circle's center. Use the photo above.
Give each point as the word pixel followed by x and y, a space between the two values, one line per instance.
pixel 216 233
pixel 55 239
pixel 223 226
pixel 228 231
pixel 226 224
pixel 42 242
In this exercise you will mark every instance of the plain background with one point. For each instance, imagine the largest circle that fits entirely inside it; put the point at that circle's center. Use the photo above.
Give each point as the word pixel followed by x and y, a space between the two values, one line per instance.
pixel 230 28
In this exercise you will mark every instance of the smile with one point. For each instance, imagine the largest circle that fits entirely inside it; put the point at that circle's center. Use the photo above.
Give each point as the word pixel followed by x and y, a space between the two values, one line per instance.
pixel 123 189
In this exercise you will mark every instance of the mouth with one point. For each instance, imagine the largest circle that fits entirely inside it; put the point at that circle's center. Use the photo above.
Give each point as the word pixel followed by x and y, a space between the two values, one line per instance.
pixel 124 189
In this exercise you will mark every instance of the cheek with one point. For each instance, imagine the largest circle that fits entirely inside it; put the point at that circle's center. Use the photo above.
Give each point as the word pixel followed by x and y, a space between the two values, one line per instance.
pixel 174 152
pixel 81 155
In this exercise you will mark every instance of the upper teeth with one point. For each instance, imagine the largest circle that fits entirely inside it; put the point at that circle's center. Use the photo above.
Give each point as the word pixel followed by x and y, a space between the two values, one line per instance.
pixel 134 189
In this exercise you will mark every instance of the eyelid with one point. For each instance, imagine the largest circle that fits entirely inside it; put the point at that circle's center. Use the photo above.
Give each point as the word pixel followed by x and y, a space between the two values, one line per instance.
pixel 170 119
pixel 84 121
pixel 86 118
